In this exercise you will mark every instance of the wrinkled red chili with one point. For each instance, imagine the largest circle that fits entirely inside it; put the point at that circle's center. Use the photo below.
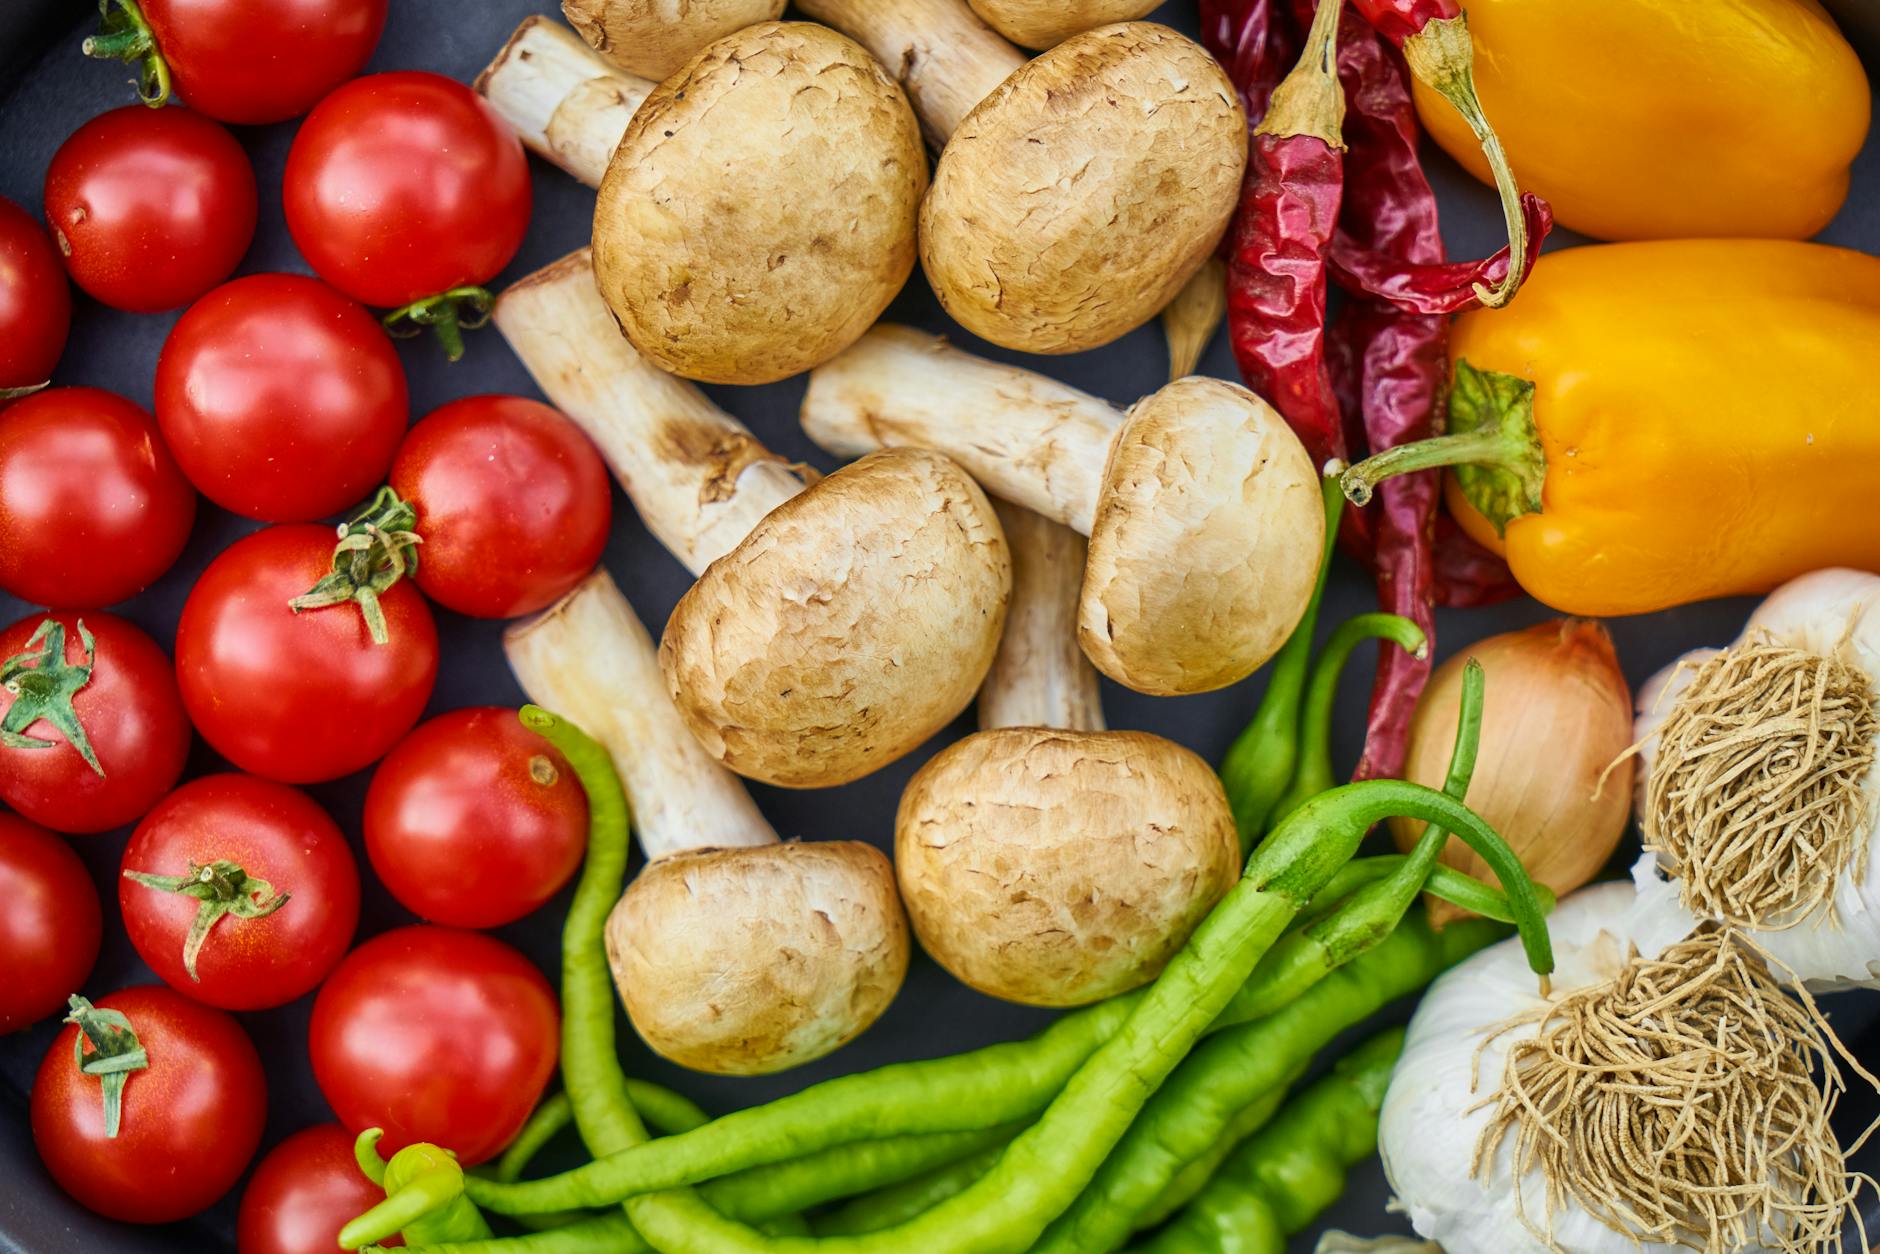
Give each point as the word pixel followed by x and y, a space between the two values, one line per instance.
pixel 1256 44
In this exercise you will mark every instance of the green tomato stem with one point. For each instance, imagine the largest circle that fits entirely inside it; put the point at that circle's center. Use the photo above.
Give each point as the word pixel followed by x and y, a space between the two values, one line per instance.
pixel 43 685
pixel 126 36
pixel 115 1053
pixel 377 547
pixel 223 888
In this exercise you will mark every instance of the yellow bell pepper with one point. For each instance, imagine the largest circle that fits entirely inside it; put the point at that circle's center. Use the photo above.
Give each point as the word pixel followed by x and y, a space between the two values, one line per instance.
pixel 1659 119
pixel 1657 423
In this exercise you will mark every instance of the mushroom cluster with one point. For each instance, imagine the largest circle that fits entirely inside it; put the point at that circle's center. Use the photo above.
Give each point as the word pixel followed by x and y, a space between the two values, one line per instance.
pixel 762 195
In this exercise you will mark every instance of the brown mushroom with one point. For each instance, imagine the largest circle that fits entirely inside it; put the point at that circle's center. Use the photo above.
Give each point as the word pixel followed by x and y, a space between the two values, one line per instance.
pixel 832 629
pixel 759 212
pixel 1202 508
pixel 1045 860
pixel 1079 197
pixel 733 953
pixel 1043 23
pixel 653 38
pixel 565 103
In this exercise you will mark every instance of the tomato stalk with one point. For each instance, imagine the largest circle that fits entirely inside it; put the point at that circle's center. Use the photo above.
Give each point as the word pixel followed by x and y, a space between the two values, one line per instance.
pixel 115 1053
pixel 127 37
pixel 13 394
pixel 447 313
pixel 377 547
pixel 43 684
pixel 223 888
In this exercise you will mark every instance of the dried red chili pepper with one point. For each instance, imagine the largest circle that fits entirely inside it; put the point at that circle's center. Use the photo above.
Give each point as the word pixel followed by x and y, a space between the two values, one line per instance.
pixel 1434 38
pixel 1444 287
pixel 1276 269
pixel 1254 42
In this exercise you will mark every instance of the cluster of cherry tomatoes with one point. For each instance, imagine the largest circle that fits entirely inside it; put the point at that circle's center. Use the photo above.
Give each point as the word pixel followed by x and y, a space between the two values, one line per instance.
pixel 300 656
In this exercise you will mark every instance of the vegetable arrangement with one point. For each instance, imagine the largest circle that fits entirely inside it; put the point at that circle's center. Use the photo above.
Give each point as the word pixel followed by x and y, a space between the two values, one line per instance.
pixel 1611 429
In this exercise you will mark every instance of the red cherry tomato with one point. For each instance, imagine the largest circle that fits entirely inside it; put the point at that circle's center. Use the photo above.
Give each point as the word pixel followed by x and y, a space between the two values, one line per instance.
pixel 281 399
pixel 405 185
pixel 150 207
pixel 513 504
pixel 474 820
pixel 50 926
pixel 251 61
pixel 435 1035
pixel 35 302
pixel 92 506
pixel 189 1121
pixel 270 874
pixel 127 711
pixel 299 697
pixel 303 1193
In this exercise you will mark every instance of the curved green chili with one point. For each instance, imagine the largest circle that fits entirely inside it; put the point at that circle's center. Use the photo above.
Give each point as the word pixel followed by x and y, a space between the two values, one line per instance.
pixel 1280 1180
pixel 897 1203
pixel 1259 764
pixel 1045 1167
pixel 1313 775
pixel 1193 1177
pixel 424 1197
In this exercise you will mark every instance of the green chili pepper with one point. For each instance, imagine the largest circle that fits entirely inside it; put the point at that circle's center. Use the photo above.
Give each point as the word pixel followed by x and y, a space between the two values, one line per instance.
pixel 424 1197
pixel 1280 1180
pixel 1260 762
pixel 897 1203
pixel 1193 1177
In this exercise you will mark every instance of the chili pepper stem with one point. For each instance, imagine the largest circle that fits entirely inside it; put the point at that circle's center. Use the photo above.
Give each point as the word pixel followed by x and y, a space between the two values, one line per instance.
pixel 1442 56
pixel 445 313
pixel 127 37
pixel 1493 443
pixel 1310 101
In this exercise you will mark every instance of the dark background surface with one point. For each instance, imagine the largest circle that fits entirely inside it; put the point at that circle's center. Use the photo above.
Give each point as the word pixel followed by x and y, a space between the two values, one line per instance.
pixel 47 89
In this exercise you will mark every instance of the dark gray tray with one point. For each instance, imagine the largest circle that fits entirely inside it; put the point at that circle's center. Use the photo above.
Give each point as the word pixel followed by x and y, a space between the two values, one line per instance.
pixel 47 89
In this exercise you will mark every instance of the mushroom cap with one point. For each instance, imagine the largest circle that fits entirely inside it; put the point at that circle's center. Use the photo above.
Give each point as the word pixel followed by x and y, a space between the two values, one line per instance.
pixel 653 38
pixel 1060 867
pixel 1075 201
pixel 750 960
pixel 760 210
pixel 1043 23
pixel 1206 544
pixel 855 621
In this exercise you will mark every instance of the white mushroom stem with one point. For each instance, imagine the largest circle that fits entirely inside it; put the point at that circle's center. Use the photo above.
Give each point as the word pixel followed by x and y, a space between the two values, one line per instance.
pixel 1041 677
pixel 699 479
pixel 565 101
pixel 1025 437
pixel 944 55
pixel 589 659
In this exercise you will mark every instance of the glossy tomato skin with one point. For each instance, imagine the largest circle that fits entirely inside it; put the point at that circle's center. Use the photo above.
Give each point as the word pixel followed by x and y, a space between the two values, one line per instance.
pixel 93 509
pixel 513 504
pixel 191 1119
pixel 400 186
pixel 272 832
pixel 281 399
pixel 435 1035
pixel 298 697
pixel 150 208
pixel 473 820
pixel 35 300
pixel 249 61
pixel 303 1193
pixel 50 927
pixel 129 710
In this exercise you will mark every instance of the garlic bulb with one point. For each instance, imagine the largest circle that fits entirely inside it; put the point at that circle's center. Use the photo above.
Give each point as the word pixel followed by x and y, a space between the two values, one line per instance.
pixel 1762 797
pixel 1433 1115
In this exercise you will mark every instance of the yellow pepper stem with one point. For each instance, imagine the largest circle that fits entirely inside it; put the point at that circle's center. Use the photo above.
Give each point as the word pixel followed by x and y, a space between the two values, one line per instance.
pixel 1442 56
pixel 1493 445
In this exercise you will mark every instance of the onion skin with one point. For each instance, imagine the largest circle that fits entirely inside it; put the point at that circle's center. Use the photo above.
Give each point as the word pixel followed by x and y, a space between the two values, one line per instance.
pixel 1557 711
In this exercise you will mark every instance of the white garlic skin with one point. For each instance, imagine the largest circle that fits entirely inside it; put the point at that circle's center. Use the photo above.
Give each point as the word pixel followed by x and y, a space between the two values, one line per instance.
pixel 1812 612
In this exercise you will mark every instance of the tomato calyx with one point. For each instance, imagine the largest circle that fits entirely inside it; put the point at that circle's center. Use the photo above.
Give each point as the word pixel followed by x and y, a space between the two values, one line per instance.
pixel 223 888
pixel 115 1053
pixel 126 37
pixel 377 547
pixel 43 684
pixel 449 314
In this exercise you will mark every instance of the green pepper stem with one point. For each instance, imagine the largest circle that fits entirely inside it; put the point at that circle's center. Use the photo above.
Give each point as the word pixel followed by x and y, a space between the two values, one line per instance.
pixel 366 1154
pixel 1442 56
pixel 1313 774
pixel 1482 447
pixel 1260 763
pixel 126 36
